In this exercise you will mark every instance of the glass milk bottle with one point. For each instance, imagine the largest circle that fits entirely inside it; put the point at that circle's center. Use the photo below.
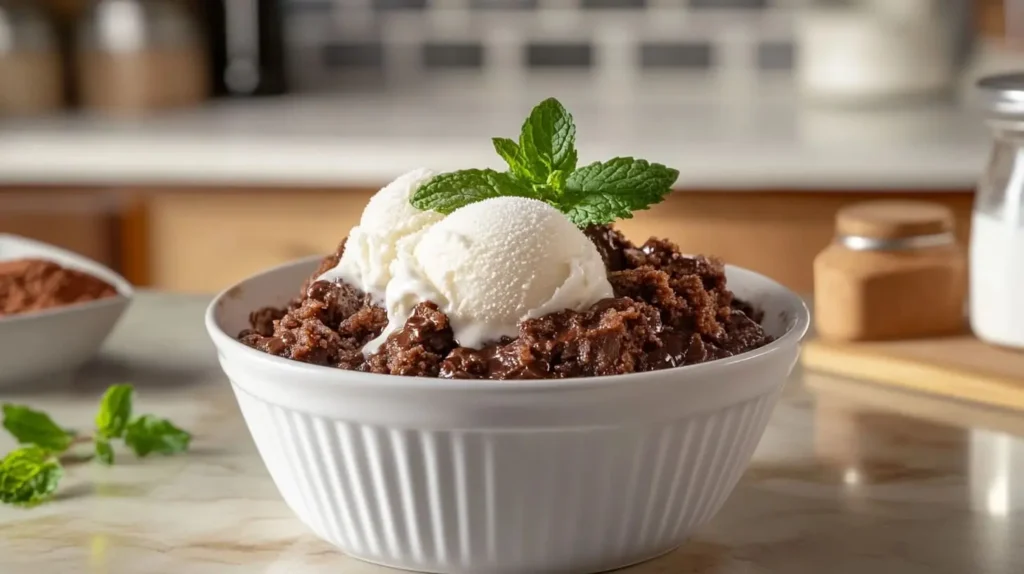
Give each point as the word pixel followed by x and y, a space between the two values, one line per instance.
pixel 997 229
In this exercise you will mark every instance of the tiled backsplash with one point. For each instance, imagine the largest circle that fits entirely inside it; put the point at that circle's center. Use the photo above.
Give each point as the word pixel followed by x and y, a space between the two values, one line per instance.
pixel 338 43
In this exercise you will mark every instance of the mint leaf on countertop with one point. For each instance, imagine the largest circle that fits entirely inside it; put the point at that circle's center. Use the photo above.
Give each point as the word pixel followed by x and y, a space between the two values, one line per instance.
pixel 104 451
pixel 29 476
pixel 449 191
pixel 115 411
pixel 542 166
pixel 600 193
pixel 149 434
pixel 36 428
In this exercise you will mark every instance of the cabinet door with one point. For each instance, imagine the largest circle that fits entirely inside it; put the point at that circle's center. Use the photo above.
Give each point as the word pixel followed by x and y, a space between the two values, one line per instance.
pixel 83 221
pixel 201 242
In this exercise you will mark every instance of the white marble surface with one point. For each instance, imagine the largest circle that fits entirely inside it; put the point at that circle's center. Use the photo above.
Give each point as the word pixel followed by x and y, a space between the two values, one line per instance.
pixel 760 137
pixel 848 479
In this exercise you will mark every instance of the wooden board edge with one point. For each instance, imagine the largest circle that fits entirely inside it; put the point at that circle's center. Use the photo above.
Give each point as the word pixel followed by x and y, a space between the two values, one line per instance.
pixel 927 406
pixel 912 375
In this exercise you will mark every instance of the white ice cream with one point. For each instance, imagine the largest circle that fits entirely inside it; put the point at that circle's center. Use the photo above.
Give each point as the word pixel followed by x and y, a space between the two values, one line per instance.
pixel 387 218
pixel 490 265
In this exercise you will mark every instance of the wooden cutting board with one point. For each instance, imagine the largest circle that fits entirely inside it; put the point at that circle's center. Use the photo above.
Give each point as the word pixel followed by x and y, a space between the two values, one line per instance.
pixel 960 367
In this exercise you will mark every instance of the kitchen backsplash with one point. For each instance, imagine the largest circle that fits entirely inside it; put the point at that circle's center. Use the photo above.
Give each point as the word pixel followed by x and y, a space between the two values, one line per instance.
pixel 344 43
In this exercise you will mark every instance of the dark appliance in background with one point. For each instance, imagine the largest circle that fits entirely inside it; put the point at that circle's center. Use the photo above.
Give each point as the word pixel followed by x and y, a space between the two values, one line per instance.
pixel 247 47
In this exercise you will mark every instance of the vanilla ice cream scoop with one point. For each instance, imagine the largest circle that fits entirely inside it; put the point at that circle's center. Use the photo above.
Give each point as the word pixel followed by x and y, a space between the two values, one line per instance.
pixel 387 218
pixel 492 264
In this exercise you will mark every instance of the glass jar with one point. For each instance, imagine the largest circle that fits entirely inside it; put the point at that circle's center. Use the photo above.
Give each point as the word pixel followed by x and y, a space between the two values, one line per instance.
pixel 997 228
pixel 135 56
pixel 31 71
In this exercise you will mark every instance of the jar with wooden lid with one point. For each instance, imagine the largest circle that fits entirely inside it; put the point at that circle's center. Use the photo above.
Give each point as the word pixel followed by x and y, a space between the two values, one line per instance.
pixel 894 271
pixel 31 68
pixel 136 56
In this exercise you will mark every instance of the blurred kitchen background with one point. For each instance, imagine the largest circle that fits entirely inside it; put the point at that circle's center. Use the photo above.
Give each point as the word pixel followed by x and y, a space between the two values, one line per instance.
pixel 190 143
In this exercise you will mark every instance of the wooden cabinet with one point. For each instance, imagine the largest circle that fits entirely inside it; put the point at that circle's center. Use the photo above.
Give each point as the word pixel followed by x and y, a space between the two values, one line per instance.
pixel 82 220
pixel 777 234
pixel 202 241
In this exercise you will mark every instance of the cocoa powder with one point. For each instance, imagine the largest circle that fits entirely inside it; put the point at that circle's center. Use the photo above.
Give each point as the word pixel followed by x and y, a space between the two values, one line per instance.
pixel 35 284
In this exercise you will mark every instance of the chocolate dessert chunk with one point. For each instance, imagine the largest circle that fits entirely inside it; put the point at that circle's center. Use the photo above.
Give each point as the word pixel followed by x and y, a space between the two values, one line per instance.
pixel 611 244
pixel 329 326
pixel 748 309
pixel 612 337
pixel 418 348
pixel 262 321
pixel 503 360
pixel 34 285
pixel 669 310
pixel 326 265
pixel 664 255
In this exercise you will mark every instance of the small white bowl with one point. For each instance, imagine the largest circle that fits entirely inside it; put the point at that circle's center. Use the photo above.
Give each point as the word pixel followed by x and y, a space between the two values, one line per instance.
pixel 41 343
pixel 572 475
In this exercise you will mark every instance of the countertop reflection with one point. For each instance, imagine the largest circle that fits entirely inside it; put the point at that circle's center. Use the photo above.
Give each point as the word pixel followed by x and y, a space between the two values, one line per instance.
pixel 849 478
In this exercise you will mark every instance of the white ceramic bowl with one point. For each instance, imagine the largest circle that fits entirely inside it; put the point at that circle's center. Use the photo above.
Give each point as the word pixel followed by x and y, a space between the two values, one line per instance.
pixel 34 345
pixel 579 475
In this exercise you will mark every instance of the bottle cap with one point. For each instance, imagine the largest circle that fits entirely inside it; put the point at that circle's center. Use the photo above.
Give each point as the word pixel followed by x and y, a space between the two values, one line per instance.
pixel 1003 93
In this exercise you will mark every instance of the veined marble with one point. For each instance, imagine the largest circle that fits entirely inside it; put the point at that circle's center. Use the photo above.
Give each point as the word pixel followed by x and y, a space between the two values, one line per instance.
pixel 848 479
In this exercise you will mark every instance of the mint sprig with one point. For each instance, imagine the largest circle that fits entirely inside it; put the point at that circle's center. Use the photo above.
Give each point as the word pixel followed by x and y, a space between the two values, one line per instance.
pixel 603 192
pixel 542 165
pixel 115 411
pixel 28 426
pixel 548 139
pixel 449 191
pixel 30 475
pixel 148 434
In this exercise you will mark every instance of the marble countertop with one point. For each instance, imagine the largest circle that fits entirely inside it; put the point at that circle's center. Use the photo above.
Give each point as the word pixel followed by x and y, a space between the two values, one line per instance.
pixel 848 479
pixel 760 137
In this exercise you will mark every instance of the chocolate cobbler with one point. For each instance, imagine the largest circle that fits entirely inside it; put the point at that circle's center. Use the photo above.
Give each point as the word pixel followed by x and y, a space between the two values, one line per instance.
pixel 28 285
pixel 669 310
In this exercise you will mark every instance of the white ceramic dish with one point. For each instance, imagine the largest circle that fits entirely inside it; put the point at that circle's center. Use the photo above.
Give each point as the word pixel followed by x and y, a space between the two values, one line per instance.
pixel 34 345
pixel 580 475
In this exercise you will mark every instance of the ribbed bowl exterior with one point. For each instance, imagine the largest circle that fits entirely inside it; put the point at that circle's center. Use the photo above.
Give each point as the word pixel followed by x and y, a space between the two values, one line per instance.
pixel 566 500
pixel 579 475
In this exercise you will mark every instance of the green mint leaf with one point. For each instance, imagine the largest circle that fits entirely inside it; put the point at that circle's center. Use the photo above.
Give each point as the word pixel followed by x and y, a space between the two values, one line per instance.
pixel 545 193
pixel 34 427
pixel 115 411
pixel 556 180
pixel 148 434
pixel 600 193
pixel 513 156
pixel 543 166
pixel 548 140
pixel 530 156
pixel 598 210
pixel 449 191
pixel 507 149
pixel 510 151
pixel 104 452
pixel 29 476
